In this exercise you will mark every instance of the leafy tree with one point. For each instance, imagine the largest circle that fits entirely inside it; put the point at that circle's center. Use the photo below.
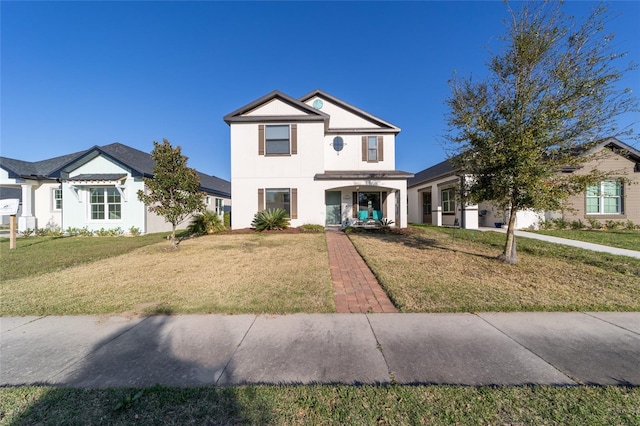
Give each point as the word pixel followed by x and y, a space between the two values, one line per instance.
pixel 549 95
pixel 174 190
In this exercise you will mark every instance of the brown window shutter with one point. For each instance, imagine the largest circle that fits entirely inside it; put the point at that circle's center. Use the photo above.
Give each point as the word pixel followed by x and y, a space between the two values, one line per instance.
pixel 355 205
pixel 294 203
pixel 364 148
pixel 261 139
pixel 294 139
pixel 384 204
pixel 260 199
pixel 380 149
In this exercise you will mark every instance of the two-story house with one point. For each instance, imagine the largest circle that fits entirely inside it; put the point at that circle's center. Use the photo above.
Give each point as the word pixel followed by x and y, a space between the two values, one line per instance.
pixel 321 159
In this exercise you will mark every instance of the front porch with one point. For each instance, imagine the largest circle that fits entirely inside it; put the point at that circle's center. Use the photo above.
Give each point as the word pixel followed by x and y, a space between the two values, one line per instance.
pixel 361 207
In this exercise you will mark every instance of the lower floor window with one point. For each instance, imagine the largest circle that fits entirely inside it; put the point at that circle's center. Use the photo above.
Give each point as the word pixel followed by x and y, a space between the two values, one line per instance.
pixel 605 198
pixel 448 201
pixel 105 203
pixel 219 206
pixel 278 199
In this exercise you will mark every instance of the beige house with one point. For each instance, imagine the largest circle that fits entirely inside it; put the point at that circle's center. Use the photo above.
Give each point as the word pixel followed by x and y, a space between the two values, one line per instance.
pixel 616 198
pixel 431 194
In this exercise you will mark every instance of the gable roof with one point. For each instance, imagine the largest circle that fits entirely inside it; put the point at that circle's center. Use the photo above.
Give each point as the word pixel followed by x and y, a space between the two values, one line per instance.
pixel 307 113
pixel 352 109
pixel 442 169
pixel 614 143
pixel 139 162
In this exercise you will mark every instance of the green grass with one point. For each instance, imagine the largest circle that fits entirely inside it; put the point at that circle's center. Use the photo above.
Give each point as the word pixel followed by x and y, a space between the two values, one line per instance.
pixel 40 255
pixel 222 273
pixel 454 270
pixel 624 239
pixel 288 405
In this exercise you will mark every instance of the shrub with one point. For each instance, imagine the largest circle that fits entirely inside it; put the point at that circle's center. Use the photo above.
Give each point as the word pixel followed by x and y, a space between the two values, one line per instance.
pixel 85 232
pixel 72 232
pixel 102 232
pixel 545 224
pixel 115 232
pixel 594 223
pixel 630 226
pixel 613 224
pixel 227 220
pixel 27 232
pixel 270 219
pixel 577 224
pixel 308 227
pixel 560 223
pixel 205 223
pixel 135 231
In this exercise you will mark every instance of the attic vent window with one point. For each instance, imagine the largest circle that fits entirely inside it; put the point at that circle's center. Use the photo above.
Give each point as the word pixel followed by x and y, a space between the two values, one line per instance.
pixel 317 104
pixel 338 144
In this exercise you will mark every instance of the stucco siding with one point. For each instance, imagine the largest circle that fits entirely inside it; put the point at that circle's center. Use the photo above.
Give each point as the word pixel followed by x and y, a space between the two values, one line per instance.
pixel 340 118
pixel 44 206
pixel 274 107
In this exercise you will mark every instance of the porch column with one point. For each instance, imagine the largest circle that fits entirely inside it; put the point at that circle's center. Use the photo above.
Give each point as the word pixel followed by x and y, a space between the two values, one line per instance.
pixel 436 206
pixel 26 219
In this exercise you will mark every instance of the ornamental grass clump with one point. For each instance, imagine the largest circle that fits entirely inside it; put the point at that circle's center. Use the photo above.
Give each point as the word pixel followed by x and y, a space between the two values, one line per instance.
pixel 270 219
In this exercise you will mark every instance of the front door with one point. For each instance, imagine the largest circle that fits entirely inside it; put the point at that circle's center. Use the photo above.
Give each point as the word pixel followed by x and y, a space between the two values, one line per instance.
pixel 332 201
pixel 426 208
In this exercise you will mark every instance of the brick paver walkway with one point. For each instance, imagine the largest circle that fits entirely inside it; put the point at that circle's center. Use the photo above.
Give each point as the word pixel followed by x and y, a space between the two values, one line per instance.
pixel 354 287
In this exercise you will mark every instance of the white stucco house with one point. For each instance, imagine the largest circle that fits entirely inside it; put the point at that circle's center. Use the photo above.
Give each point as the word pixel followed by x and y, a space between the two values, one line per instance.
pixel 433 200
pixel 321 159
pixel 96 189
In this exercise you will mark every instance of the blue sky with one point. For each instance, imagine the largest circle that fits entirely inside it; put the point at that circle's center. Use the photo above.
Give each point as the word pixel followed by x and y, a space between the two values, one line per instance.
pixel 79 74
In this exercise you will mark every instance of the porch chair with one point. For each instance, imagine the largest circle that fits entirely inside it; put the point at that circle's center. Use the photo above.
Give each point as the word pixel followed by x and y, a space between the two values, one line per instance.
pixel 377 215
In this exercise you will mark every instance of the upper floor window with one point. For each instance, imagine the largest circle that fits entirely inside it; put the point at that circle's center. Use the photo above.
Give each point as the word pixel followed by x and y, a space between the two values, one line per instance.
pixel 448 201
pixel 277 139
pixel 372 149
pixel 605 198
pixel 105 203
pixel 57 198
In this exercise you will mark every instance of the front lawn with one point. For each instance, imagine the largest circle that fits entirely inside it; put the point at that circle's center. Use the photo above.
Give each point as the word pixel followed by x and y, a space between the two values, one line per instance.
pixel 235 273
pixel 313 405
pixel 624 239
pixel 454 270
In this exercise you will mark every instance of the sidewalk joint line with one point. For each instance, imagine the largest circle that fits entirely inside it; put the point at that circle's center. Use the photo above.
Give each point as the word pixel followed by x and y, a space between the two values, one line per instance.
pixel 567 375
pixel 610 323
pixel 392 378
pixel 255 317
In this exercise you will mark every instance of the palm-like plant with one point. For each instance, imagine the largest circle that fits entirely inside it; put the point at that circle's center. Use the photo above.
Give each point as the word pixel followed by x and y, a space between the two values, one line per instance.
pixel 205 223
pixel 270 219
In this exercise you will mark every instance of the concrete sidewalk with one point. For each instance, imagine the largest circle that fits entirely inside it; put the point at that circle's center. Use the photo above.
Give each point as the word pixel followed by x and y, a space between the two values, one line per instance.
pixel 568 242
pixel 203 350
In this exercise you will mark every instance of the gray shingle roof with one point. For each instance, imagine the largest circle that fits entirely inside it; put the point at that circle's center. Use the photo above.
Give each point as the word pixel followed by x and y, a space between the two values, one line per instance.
pixel 441 169
pixel 138 161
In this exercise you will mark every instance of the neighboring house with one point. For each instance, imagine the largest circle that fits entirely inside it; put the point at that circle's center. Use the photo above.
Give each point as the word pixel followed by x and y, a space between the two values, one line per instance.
pixel 616 198
pixel 432 194
pixel 96 188
pixel 321 159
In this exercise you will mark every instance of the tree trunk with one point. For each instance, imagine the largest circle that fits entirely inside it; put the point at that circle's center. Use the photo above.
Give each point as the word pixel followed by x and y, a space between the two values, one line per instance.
pixel 174 245
pixel 509 255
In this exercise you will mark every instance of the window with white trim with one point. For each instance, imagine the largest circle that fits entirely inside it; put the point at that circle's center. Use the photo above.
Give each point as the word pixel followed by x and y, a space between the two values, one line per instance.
pixel 105 204
pixel 372 148
pixel 604 198
pixel 448 201
pixel 219 206
pixel 57 198
pixel 277 139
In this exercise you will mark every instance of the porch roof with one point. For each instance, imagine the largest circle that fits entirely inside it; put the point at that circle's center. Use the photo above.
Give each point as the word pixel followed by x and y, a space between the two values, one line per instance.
pixel 363 174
